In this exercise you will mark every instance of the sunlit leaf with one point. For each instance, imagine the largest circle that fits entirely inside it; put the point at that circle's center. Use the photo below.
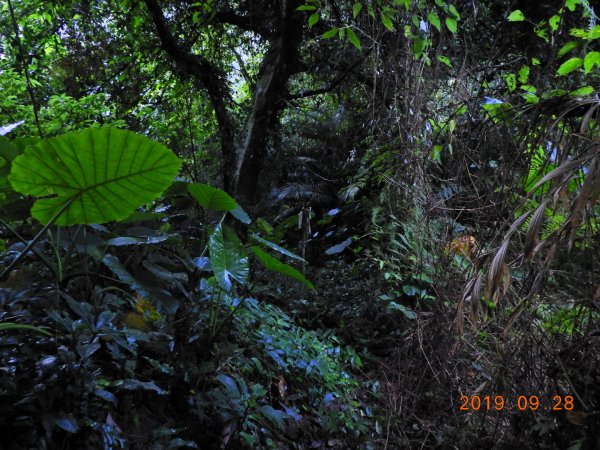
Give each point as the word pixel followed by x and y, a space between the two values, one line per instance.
pixel 104 173
pixel 339 247
pixel 582 91
pixel 516 16
pixel 591 59
pixel 387 22
pixel 572 4
pixel 451 24
pixel 444 60
pixel 434 20
pixel 330 33
pixel 454 12
pixel 554 21
pixel 569 66
pixel 567 48
pixel 353 38
pixel 511 81
pixel 523 74
pixel 276 247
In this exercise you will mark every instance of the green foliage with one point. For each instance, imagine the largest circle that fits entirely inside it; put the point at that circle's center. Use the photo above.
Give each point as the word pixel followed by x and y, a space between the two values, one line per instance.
pixel 93 176
pixel 569 66
pixel 139 314
pixel 110 334
pixel 407 265
pixel 353 38
pixel 315 366
pixel 516 16
pixel 228 260
pixel 8 153
pixel 214 199
pixel 15 326
pixel 565 319
pixel 591 59
pixel 274 265
pixel 276 247
pixel 211 198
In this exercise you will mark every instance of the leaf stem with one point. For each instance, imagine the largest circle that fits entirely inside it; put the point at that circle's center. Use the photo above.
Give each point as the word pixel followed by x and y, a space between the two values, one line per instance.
pixel 39 254
pixel 38 236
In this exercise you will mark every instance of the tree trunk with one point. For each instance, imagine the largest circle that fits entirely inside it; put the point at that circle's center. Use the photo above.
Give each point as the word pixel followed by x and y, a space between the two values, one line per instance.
pixel 242 167
pixel 278 65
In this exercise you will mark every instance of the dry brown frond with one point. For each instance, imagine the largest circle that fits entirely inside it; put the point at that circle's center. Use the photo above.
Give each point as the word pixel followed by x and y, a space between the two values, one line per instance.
pixel 574 189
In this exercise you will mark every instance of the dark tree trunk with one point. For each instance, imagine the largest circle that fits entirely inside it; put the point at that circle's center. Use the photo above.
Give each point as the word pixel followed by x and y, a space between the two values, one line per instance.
pixel 242 167
pixel 278 65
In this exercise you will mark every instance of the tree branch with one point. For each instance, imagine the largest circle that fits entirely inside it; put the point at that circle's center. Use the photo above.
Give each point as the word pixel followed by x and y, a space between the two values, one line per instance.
pixel 242 22
pixel 210 77
pixel 329 87
pixel 229 16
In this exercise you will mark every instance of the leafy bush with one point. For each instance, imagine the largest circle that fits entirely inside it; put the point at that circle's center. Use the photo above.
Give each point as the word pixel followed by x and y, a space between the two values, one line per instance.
pixel 133 326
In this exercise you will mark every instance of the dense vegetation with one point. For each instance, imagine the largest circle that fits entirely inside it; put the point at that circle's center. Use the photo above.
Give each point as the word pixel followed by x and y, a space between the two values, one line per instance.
pixel 299 224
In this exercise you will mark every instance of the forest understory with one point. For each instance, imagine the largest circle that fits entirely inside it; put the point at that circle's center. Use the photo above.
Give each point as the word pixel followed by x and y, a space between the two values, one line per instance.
pixel 286 224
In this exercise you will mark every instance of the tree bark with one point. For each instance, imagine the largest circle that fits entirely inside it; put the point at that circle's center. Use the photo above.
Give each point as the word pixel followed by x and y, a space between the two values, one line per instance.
pixel 242 166
pixel 278 65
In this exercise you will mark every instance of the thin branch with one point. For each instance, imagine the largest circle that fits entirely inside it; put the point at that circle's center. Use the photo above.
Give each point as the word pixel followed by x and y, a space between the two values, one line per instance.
pixel 329 87
pixel 210 77
pixel 25 69
pixel 244 23
pixel 230 17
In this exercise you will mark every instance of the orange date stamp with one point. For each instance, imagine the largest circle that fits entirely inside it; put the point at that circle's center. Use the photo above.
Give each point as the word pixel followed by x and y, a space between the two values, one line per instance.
pixel 471 403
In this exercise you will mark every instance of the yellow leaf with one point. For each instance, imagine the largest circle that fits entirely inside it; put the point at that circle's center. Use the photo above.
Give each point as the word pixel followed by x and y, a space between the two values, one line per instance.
pixel 136 321
pixel 147 309
pixel 465 245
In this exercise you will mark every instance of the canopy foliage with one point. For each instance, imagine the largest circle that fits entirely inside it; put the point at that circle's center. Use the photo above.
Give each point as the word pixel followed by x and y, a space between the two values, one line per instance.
pixel 299 224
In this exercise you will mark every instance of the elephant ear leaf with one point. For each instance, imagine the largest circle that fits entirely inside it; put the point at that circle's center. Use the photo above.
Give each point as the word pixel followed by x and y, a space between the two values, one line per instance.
pixel 215 199
pixel 227 258
pixel 14 206
pixel 8 153
pixel 97 175
pixel 211 198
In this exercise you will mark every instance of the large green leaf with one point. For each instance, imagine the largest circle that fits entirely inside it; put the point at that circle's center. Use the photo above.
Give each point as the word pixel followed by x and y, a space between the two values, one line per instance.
pixel 227 258
pixel 274 265
pixel 104 173
pixel 14 206
pixel 211 198
pixel 215 199
pixel 8 152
